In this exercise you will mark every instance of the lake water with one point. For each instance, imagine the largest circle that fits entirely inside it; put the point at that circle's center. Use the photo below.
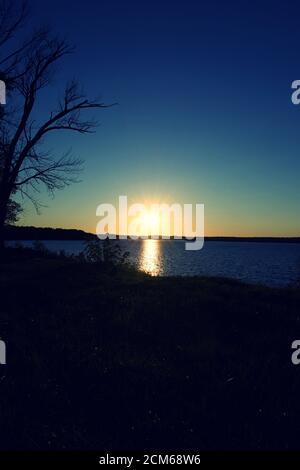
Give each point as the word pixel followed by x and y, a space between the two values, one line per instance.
pixel 272 264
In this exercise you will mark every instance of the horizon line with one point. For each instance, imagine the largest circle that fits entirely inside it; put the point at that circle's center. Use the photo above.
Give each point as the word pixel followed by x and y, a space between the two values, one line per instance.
pixel 178 237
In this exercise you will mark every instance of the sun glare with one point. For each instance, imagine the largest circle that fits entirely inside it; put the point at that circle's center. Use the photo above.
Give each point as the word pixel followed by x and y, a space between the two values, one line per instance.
pixel 150 223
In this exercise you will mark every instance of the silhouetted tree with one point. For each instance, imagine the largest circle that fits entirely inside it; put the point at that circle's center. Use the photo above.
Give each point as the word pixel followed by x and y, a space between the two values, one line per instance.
pixel 14 209
pixel 27 69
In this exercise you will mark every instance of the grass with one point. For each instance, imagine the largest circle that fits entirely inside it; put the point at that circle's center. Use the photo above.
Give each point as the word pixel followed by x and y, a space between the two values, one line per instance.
pixel 120 360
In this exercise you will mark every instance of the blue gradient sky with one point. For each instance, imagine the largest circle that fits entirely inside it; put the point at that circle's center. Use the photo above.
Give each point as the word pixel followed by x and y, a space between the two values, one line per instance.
pixel 204 110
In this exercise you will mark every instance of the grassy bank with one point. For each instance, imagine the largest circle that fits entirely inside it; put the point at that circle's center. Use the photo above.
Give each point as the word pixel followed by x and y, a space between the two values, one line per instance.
pixel 120 360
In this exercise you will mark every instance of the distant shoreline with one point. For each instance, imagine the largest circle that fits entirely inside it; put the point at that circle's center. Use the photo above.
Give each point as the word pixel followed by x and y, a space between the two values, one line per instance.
pixel 43 233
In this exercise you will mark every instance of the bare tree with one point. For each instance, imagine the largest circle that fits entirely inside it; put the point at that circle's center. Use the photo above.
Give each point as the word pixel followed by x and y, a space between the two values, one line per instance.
pixel 29 68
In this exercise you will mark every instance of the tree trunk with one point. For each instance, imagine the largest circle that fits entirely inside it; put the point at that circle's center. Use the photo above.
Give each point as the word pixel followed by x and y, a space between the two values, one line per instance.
pixel 4 198
pixel 2 236
pixel 2 247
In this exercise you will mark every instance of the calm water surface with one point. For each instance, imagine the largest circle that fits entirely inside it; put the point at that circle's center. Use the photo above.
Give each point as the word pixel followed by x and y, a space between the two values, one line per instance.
pixel 273 264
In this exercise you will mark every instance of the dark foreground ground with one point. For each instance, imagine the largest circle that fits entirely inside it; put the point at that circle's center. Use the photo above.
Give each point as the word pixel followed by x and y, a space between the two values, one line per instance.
pixel 119 360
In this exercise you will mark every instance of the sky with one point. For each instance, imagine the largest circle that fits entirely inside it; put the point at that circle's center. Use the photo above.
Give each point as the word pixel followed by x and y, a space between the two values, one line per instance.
pixel 204 110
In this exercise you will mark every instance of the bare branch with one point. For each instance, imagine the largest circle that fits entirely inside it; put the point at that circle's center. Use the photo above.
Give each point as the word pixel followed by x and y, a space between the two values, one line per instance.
pixel 29 68
pixel 11 19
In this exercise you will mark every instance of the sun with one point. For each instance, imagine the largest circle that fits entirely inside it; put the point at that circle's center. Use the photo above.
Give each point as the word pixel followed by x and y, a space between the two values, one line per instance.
pixel 150 223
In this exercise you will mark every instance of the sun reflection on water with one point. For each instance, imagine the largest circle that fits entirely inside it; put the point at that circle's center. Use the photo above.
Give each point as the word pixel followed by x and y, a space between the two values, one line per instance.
pixel 150 257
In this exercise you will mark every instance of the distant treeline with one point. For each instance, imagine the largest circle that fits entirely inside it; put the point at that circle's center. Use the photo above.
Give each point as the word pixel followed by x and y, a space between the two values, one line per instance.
pixel 41 233
pixel 255 239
